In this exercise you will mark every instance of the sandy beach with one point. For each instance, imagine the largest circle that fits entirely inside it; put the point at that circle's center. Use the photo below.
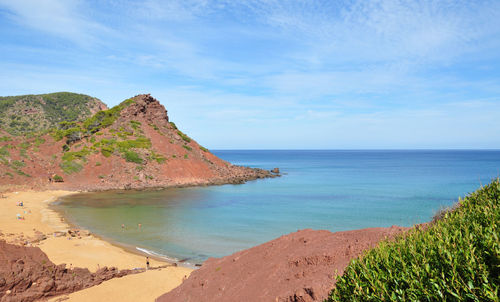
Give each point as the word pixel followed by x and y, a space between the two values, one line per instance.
pixel 82 251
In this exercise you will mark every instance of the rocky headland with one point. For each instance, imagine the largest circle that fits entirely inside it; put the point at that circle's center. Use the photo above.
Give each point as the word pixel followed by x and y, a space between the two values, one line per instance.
pixel 133 145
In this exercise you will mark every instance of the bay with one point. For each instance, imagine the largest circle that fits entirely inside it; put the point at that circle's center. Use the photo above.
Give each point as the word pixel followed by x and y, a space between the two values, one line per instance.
pixel 320 189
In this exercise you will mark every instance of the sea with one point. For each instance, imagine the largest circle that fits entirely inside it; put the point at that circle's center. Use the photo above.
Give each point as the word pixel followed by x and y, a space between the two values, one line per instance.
pixel 334 190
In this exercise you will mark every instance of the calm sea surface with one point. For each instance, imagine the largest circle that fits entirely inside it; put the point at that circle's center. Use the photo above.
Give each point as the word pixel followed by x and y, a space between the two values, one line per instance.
pixel 333 190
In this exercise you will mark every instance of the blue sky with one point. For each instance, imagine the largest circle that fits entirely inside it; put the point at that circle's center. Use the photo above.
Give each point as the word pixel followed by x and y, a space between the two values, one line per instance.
pixel 273 74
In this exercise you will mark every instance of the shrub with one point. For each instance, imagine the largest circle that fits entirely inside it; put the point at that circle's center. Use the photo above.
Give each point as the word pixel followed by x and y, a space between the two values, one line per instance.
pixel 187 147
pixel 70 156
pixel 71 167
pixel 158 157
pixel 203 149
pixel 58 178
pixel 141 142
pixel 456 259
pixel 186 138
pixel 135 124
pixel 4 151
pixel 107 151
pixel 133 157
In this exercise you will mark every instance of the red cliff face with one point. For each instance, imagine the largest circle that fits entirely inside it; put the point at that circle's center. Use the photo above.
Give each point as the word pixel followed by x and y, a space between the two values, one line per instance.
pixel 140 148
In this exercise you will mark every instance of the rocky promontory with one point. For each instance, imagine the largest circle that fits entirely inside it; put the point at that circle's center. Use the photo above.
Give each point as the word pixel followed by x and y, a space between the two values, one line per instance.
pixel 133 145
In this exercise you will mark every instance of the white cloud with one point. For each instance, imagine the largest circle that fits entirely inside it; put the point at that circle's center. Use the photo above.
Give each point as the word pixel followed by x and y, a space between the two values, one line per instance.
pixel 61 18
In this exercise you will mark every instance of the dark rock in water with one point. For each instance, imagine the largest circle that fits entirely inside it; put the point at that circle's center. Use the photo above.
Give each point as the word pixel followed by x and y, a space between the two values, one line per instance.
pixel 275 170
pixel 296 267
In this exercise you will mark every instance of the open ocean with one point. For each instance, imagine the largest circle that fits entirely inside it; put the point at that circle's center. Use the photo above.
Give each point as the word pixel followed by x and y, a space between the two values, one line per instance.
pixel 333 190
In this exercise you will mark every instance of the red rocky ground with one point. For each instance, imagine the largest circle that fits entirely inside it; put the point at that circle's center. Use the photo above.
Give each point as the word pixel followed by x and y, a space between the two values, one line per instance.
pixel 298 267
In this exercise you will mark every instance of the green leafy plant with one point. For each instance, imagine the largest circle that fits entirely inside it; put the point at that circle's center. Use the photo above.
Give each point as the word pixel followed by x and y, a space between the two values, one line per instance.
pixel 456 259
pixel 133 157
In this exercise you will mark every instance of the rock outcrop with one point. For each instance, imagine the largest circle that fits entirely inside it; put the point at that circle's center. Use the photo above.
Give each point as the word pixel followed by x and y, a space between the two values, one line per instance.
pixel 298 267
pixel 26 274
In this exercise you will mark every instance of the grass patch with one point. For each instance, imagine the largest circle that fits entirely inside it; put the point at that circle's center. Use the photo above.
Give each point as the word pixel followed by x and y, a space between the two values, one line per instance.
pixel 39 141
pixel 203 149
pixel 18 164
pixel 105 118
pixel 9 174
pixel 71 156
pixel 158 157
pixel 70 167
pixel 456 259
pixel 4 151
pixel 186 156
pixel 186 138
pixel 141 142
pixel 132 157
pixel 187 147
pixel 135 125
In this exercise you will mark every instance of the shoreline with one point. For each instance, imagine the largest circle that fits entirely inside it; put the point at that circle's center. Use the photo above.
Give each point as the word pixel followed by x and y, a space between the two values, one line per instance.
pixel 125 247
pixel 43 227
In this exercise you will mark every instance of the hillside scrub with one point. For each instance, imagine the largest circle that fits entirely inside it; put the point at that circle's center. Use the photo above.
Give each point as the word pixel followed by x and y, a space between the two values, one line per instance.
pixel 45 111
pixel 457 258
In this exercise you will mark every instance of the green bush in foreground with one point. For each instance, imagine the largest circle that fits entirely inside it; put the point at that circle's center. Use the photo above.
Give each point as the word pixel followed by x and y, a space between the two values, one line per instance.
pixel 455 259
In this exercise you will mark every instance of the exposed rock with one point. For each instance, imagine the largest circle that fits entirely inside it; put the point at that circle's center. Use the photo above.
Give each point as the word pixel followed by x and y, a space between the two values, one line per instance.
pixel 26 274
pixel 299 266
pixel 276 170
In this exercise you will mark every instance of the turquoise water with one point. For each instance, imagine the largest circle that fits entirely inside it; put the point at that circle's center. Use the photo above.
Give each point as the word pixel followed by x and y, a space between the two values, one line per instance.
pixel 333 190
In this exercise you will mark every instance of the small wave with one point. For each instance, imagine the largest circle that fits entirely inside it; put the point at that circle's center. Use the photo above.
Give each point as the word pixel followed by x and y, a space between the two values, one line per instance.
pixel 156 254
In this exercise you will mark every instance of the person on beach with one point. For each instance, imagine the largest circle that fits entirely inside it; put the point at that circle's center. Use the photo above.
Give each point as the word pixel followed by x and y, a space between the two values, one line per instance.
pixel 147 262
pixel 139 225
pixel 123 226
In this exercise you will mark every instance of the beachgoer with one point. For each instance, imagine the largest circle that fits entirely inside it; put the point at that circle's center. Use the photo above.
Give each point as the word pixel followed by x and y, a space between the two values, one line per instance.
pixel 123 226
pixel 147 262
pixel 139 225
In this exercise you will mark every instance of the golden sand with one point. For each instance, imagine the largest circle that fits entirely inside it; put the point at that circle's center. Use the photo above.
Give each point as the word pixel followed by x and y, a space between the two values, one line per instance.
pixel 88 252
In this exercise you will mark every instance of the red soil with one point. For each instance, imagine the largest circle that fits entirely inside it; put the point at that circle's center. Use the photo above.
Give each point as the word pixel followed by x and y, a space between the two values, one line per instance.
pixel 300 266
pixel 26 274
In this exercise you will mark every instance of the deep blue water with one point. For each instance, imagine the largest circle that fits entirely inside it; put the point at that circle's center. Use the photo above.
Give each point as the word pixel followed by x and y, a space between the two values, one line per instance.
pixel 333 190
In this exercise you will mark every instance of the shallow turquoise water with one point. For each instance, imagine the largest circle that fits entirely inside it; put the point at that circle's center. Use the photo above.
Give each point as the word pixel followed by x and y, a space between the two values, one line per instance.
pixel 334 190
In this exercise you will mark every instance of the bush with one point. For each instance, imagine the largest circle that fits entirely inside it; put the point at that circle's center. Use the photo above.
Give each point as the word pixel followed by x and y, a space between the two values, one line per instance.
pixel 71 167
pixel 186 138
pixel 58 178
pixel 187 147
pixel 203 149
pixel 456 259
pixel 133 157
pixel 107 151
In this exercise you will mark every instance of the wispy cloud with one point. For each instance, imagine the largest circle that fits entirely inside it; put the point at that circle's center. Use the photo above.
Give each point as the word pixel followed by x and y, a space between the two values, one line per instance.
pixel 59 18
pixel 285 68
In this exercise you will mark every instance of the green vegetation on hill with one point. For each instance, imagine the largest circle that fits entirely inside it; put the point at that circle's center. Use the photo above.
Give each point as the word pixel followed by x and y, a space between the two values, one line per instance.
pixel 456 259
pixel 34 113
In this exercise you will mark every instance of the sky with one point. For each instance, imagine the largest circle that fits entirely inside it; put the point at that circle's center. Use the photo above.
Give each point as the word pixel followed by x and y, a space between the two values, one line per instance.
pixel 267 74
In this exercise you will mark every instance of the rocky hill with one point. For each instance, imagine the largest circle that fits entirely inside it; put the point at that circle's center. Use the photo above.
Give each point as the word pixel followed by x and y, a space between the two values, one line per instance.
pixel 34 113
pixel 132 145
